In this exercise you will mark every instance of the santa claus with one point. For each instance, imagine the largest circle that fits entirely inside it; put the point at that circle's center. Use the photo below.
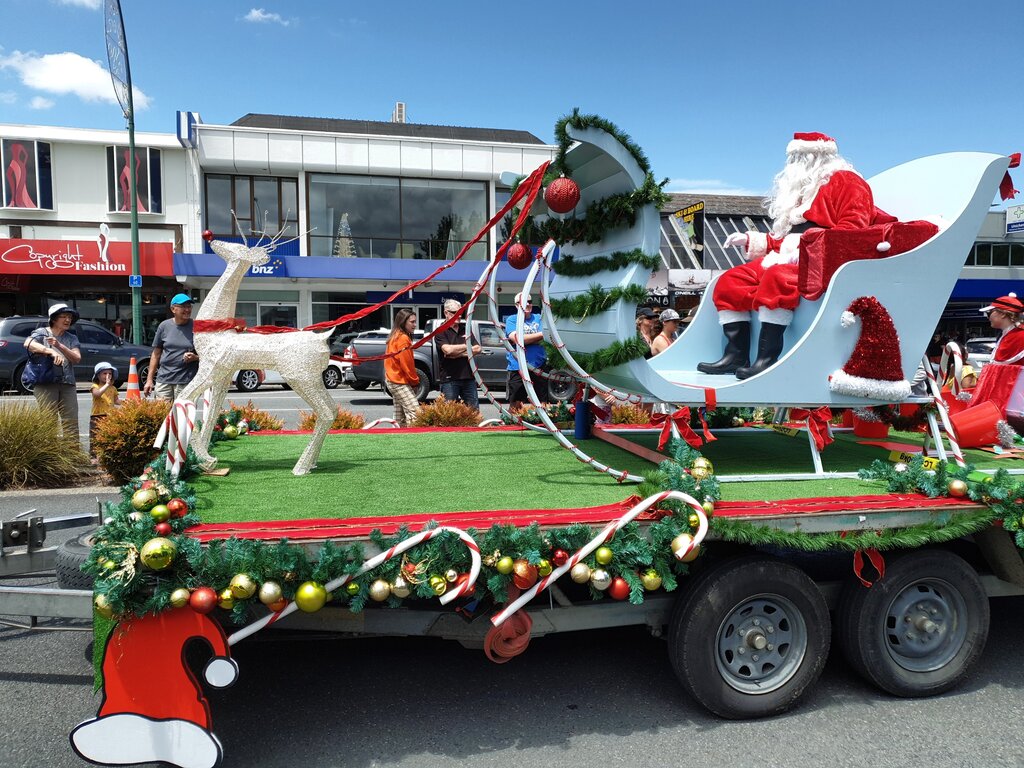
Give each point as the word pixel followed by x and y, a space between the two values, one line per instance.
pixel 817 188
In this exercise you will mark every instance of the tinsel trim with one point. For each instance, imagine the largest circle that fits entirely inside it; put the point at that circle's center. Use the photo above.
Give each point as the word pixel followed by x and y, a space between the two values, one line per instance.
pixel 1008 437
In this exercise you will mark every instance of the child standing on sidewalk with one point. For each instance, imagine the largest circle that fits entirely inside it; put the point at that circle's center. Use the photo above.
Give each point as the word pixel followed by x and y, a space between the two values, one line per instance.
pixel 104 399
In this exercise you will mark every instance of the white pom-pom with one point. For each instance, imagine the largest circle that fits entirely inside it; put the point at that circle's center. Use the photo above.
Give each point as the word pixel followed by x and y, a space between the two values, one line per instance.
pixel 221 672
pixel 847 319
pixel 1012 295
pixel 883 246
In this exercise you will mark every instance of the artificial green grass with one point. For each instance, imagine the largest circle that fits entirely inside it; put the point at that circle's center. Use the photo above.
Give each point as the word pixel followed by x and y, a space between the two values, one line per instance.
pixel 364 475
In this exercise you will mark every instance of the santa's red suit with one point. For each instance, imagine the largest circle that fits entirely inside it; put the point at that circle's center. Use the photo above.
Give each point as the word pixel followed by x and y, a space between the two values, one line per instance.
pixel 1001 381
pixel 770 278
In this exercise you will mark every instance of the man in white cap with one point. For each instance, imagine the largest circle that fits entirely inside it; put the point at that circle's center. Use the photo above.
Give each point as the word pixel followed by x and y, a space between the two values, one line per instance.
pixel 174 362
pixel 670 322
pixel 55 387
pixel 532 336
pixel 455 376
pixel 817 188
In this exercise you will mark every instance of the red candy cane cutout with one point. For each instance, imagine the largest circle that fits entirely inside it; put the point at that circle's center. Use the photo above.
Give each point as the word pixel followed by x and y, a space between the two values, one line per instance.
pixel 951 364
pixel 604 536
pixel 176 432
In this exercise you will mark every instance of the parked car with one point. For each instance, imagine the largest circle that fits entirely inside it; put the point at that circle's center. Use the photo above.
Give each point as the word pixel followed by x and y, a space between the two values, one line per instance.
pixel 249 380
pixel 97 344
pixel 979 352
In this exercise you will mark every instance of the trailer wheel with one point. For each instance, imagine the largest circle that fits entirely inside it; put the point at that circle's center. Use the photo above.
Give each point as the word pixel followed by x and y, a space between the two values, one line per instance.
pixel 749 637
pixel 68 561
pixel 920 629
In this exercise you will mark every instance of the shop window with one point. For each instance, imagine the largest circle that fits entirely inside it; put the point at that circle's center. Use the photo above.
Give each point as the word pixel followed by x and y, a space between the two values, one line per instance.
pixel 27 178
pixel 262 204
pixel 1000 255
pixel 148 180
pixel 1016 254
pixel 983 254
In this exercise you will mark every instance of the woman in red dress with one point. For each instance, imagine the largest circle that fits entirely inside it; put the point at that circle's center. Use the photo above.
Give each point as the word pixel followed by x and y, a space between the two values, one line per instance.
pixel 1001 382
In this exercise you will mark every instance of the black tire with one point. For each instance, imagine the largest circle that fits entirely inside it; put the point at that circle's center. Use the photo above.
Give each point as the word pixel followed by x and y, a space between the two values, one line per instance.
pixel 562 388
pixel 247 381
pixel 143 374
pixel 68 560
pixel 423 388
pixel 331 377
pixel 360 386
pixel 746 603
pixel 919 630
pixel 16 383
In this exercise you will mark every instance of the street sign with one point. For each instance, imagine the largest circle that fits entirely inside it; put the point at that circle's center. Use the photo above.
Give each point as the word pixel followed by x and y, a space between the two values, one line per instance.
pixel 1015 219
pixel 134 281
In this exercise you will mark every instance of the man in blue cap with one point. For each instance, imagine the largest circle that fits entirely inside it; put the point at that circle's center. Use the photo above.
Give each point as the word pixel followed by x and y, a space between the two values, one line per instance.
pixel 174 361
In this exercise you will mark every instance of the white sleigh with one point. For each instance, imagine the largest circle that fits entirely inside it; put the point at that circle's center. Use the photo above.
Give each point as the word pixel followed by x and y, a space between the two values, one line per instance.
pixel 913 286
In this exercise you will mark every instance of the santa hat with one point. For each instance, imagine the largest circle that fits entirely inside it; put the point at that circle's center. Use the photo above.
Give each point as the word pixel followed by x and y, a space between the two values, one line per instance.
pixel 1008 303
pixel 875 368
pixel 812 142
pixel 153 709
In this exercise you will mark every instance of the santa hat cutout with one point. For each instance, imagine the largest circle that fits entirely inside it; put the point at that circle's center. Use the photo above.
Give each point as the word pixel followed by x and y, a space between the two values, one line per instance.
pixel 812 142
pixel 875 368
pixel 153 708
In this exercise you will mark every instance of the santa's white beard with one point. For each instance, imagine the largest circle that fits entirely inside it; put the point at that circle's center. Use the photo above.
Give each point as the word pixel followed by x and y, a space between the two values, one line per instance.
pixel 796 186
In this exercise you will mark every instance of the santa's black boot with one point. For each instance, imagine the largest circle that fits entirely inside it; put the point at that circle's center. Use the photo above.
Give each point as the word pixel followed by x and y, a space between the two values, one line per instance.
pixel 769 347
pixel 737 350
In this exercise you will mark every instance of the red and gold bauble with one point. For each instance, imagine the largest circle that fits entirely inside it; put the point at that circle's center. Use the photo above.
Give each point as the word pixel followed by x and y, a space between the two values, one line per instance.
pixel 619 589
pixel 278 606
pixel 177 507
pixel 560 557
pixel 524 575
pixel 203 600
pixel 207 235
pixel 562 195
pixel 163 529
pixel 144 499
pixel 518 256
pixel 957 488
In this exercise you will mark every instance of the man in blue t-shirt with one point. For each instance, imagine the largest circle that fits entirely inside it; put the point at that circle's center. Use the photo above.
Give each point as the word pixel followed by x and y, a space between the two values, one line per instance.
pixel 533 334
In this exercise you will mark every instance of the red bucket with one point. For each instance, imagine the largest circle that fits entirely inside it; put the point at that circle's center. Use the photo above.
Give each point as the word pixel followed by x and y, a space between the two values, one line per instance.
pixel 847 418
pixel 976 427
pixel 874 429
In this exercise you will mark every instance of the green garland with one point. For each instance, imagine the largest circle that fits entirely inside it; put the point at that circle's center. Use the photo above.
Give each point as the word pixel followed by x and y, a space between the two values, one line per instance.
pixel 567 266
pixel 596 299
pixel 616 353
pixel 582 122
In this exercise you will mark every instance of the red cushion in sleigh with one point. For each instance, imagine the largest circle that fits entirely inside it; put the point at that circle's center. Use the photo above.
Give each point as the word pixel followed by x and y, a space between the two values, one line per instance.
pixel 823 251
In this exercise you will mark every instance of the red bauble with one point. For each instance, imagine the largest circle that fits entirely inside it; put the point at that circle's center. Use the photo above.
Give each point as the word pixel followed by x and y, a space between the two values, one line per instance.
pixel 163 529
pixel 518 256
pixel 178 507
pixel 207 235
pixel 562 195
pixel 619 588
pixel 203 600
pixel 560 557
pixel 524 575
pixel 463 578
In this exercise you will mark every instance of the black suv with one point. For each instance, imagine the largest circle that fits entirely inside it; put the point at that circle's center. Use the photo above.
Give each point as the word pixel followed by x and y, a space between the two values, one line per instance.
pixel 97 342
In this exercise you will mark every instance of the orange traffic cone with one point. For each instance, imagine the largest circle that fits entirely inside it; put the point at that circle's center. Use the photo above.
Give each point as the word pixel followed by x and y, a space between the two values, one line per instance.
pixel 133 392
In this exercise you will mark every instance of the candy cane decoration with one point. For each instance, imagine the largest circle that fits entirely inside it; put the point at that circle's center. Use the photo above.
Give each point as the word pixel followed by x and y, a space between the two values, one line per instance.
pixel 940 406
pixel 952 364
pixel 458 590
pixel 206 403
pixel 604 536
pixel 176 431
pixel 385 420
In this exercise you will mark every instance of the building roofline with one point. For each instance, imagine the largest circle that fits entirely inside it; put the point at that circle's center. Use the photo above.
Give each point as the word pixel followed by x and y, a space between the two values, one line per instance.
pixel 99 136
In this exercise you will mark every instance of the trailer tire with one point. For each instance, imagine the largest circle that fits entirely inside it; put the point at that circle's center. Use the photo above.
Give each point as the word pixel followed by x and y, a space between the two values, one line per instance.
pixel 933 596
pixel 68 561
pixel 753 603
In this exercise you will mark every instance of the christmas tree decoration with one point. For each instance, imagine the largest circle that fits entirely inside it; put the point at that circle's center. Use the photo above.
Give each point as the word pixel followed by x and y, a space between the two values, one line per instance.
pixel 226 599
pixel 709 507
pixel 179 598
pixel 619 589
pixel 163 529
pixel 380 590
pixel 505 565
pixel 177 507
pixel 544 567
pixel 559 557
pixel 519 256
pixel 270 592
pixel 600 579
pixel 451 575
pixel 203 600
pixel 230 432
pixel 352 589
pixel 957 488
pixel 400 588
pixel 693 520
pixel 438 584
pixel 310 597
pixel 158 553
pixel 899 467
pixel 243 426
pixel 651 580
pixel 524 574
pixel 278 605
pixel 580 573
pixel 562 195
pixel 701 468
pixel 102 606
pixel 144 499
pixel 684 549
pixel 603 555
pixel 160 513
pixel 242 586
pixel 136 517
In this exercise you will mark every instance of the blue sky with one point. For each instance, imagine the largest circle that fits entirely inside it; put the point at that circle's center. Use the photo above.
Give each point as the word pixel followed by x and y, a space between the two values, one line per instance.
pixel 711 91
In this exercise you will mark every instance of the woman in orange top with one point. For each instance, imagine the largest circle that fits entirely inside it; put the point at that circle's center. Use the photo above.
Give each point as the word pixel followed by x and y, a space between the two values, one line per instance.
pixel 400 370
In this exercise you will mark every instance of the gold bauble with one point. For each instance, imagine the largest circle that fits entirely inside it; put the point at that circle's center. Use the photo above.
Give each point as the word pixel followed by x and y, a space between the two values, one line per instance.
pixel 601 579
pixel 158 553
pixel 451 575
pixel 380 591
pixel 957 488
pixel 290 575
pixel 226 599
pixel 179 597
pixel 400 588
pixel 103 607
pixel 310 597
pixel 603 555
pixel 144 498
pixel 701 468
pixel 242 586
pixel 580 573
pixel 679 546
pixel 439 585
pixel 544 567
pixel 651 580
pixel 693 520
pixel 505 565
pixel 270 592
pixel 352 589
pixel 709 507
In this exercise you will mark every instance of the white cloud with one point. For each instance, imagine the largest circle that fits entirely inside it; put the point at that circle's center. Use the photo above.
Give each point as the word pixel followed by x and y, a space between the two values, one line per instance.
pixel 92 5
pixel 67 73
pixel 8 97
pixel 41 102
pixel 260 16
pixel 710 187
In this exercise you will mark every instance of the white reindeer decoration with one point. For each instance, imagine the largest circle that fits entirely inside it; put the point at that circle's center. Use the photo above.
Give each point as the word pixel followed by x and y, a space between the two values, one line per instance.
pixel 300 356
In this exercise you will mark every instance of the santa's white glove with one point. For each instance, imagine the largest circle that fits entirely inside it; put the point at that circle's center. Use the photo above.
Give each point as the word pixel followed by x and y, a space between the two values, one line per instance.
pixel 736 240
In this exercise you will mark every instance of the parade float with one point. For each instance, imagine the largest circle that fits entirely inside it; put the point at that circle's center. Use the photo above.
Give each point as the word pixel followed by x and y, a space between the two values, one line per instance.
pixel 492 535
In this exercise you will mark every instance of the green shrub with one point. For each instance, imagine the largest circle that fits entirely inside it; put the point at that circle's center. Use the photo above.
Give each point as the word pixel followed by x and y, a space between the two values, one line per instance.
pixel 258 419
pixel 124 439
pixel 343 419
pixel 32 454
pixel 447 413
